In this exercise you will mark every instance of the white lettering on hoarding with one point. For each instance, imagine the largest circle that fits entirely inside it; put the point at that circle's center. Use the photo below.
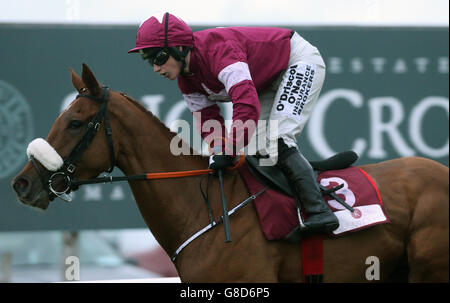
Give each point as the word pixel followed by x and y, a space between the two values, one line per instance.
pixel 381 65
pixel 92 193
pixel 422 64
pixel 378 64
pixel 380 128
pixel 316 128
pixel 443 65
pixel 152 103
pixel 416 121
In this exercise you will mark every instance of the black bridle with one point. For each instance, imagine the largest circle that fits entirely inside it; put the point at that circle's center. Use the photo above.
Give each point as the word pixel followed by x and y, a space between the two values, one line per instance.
pixel 67 170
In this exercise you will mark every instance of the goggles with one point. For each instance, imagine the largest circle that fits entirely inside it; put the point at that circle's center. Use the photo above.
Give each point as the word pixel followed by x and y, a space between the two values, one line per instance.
pixel 159 58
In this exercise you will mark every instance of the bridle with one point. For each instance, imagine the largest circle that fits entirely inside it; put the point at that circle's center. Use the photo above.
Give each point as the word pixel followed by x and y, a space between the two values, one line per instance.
pixel 69 165
pixel 67 170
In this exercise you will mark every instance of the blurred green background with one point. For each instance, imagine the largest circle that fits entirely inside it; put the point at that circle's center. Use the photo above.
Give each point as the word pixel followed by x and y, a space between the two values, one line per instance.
pixel 385 96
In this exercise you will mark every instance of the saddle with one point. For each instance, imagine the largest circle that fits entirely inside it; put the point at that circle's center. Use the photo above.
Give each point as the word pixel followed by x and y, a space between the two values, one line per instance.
pixel 273 177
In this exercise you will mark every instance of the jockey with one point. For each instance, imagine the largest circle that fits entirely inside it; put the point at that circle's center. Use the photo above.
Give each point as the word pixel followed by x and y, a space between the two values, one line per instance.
pixel 267 73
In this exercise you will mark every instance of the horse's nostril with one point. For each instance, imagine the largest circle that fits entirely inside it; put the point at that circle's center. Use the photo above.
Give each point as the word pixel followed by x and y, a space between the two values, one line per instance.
pixel 22 186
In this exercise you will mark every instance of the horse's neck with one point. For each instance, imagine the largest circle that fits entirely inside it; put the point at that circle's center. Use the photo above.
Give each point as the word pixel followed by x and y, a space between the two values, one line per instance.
pixel 168 206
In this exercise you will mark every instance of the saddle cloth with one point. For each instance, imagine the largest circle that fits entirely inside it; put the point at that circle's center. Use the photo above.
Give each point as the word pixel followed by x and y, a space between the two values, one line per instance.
pixel 277 211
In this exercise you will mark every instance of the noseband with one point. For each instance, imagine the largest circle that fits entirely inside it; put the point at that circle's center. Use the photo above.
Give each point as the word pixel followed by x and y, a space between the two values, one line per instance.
pixel 67 170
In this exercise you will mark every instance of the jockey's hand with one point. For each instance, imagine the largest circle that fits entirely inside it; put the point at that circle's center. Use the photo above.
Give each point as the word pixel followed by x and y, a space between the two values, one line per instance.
pixel 217 162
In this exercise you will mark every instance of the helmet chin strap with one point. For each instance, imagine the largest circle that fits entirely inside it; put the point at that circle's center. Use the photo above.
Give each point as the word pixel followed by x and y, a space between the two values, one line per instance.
pixel 181 57
pixel 183 67
pixel 174 51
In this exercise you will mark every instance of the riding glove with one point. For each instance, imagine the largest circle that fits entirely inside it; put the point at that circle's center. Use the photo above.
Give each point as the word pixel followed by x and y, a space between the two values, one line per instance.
pixel 217 162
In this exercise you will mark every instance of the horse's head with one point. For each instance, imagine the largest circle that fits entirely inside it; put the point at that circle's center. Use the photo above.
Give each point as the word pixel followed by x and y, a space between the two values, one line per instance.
pixel 73 149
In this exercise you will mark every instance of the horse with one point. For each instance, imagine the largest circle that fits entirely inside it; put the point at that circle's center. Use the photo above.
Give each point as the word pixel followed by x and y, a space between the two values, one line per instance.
pixel 414 247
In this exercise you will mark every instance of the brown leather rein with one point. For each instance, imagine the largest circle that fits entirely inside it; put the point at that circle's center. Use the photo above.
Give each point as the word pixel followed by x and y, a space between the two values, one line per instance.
pixel 153 176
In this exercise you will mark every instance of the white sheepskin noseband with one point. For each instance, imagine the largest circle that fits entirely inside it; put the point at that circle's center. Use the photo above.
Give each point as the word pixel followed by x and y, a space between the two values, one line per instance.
pixel 44 153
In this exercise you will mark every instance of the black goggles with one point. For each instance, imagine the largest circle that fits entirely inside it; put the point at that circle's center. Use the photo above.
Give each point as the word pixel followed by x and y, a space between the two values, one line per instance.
pixel 159 58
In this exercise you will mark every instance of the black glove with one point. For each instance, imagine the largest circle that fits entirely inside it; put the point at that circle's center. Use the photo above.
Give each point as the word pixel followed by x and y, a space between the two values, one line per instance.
pixel 217 162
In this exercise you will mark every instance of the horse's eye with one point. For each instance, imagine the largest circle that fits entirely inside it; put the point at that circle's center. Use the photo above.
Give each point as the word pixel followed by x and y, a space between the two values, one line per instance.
pixel 75 124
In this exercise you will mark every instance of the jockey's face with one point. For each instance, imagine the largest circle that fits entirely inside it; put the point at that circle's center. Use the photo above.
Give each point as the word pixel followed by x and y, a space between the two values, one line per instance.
pixel 170 69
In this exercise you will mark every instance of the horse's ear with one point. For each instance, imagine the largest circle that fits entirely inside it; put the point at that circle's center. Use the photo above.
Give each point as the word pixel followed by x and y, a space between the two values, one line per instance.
pixel 76 81
pixel 91 83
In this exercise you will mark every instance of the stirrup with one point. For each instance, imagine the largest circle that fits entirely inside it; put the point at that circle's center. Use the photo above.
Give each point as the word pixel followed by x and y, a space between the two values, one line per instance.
pixel 297 234
pixel 301 232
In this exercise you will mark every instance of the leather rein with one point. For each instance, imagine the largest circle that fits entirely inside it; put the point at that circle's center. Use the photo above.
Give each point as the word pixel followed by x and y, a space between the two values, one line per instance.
pixel 67 170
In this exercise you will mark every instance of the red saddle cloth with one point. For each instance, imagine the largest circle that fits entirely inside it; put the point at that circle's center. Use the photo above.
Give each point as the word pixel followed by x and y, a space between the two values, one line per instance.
pixel 277 212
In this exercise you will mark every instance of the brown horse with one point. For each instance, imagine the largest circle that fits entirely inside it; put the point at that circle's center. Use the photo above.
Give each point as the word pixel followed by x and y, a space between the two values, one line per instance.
pixel 415 191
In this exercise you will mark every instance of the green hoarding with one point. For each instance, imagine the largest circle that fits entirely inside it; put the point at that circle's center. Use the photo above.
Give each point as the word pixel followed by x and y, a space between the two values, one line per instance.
pixel 385 96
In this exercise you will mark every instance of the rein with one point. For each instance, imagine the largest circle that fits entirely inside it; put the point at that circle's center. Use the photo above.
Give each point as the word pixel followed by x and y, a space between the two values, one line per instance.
pixel 69 165
pixel 154 176
pixel 67 170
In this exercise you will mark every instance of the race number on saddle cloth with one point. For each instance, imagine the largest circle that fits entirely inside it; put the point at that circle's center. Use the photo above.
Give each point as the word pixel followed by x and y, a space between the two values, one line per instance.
pixel 277 212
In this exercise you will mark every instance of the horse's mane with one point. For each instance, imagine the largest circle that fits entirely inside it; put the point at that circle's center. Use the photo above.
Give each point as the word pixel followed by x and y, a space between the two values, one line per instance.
pixel 170 134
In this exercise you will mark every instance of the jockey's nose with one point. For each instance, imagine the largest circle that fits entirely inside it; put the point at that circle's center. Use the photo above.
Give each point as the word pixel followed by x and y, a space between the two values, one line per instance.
pixel 22 186
pixel 156 68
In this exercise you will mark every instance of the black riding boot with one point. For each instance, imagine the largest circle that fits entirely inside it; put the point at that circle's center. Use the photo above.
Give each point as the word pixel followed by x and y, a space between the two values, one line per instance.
pixel 320 219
